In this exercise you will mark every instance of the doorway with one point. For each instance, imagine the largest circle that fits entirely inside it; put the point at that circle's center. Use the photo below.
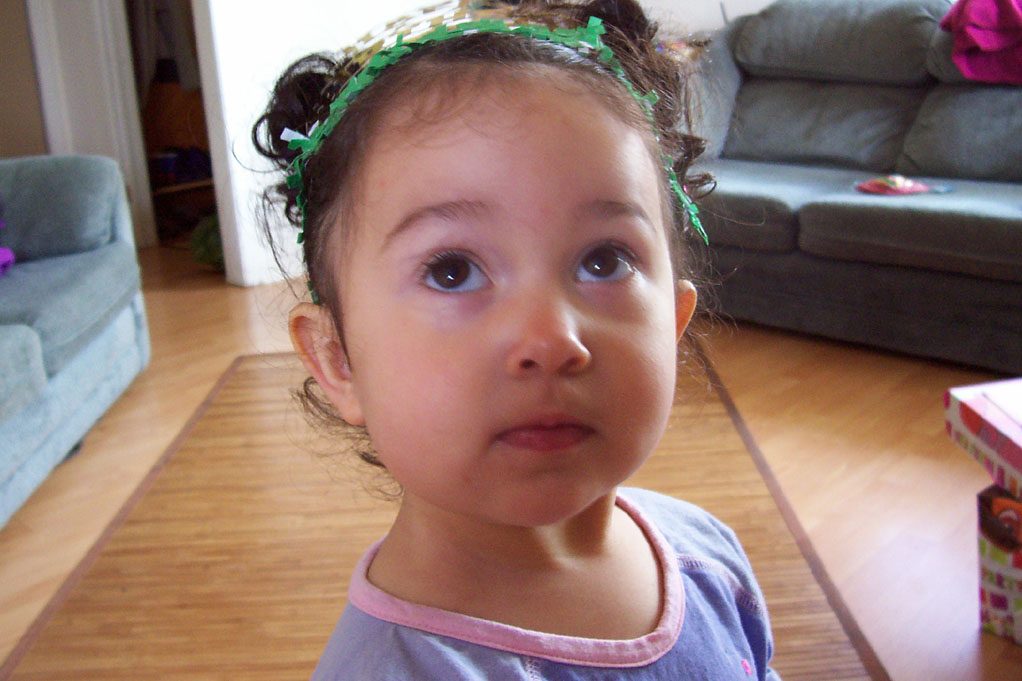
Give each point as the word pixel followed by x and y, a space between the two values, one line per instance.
pixel 174 129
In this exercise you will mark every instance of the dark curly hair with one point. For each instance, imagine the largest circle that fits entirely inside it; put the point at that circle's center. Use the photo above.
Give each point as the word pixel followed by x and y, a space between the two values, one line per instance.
pixel 303 94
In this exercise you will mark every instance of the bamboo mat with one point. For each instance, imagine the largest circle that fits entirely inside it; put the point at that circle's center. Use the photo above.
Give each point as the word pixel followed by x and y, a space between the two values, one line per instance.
pixel 231 559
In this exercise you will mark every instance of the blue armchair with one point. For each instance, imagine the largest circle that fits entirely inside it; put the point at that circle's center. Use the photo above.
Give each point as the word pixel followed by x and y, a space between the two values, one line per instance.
pixel 73 332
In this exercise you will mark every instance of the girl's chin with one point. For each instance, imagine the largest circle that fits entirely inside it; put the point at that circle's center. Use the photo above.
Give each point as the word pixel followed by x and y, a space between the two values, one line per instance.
pixel 553 506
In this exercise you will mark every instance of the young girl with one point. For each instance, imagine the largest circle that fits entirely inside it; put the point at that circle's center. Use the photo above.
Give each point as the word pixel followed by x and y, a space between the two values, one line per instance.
pixel 494 231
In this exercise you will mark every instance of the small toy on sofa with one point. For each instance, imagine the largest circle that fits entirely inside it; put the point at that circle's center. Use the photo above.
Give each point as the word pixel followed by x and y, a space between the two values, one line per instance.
pixel 898 184
pixel 6 254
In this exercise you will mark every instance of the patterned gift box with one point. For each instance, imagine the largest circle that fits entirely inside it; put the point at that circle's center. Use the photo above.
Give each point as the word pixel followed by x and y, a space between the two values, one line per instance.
pixel 1000 612
pixel 1000 563
pixel 986 421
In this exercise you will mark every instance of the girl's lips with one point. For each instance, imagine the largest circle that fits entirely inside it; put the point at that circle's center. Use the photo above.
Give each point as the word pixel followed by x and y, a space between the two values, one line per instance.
pixel 545 438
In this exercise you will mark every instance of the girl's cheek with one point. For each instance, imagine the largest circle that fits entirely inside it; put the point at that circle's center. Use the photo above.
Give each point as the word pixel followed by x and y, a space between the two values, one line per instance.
pixel 636 301
pixel 448 311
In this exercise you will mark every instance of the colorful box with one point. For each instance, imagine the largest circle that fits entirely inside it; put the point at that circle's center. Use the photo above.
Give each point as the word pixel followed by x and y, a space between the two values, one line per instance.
pixel 986 421
pixel 1000 563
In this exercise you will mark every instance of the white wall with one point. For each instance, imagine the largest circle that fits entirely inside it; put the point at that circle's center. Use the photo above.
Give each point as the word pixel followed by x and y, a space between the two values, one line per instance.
pixel 696 16
pixel 87 92
pixel 244 47
pixel 242 50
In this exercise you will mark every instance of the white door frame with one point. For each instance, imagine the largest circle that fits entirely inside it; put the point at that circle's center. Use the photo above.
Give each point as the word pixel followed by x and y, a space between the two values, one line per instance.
pixel 87 91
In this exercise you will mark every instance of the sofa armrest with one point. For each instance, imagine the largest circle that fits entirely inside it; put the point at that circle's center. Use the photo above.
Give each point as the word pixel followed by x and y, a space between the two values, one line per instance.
pixel 59 205
pixel 714 86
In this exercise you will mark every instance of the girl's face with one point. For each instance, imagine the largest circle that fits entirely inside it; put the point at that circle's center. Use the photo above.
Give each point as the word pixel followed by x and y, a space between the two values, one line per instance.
pixel 509 305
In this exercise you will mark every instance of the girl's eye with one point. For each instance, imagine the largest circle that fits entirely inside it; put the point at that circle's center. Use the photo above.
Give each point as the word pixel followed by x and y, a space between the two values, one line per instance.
pixel 605 263
pixel 453 272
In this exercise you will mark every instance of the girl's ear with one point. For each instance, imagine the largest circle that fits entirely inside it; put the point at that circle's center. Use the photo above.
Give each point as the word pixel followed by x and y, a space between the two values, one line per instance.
pixel 314 337
pixel 684 305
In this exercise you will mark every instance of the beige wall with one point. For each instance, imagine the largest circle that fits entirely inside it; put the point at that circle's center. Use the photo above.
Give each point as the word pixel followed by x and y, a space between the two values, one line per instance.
pixel 21 118
pixel 681 17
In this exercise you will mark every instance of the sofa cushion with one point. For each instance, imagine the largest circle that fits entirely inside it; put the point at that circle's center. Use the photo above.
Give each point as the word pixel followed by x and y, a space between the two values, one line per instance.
pixel 836 124
pixel 938 59
pixel 873 41
pixel 975 229
pixel 43 434
pixel 755 205
pixel 58 205
pixel 968 131
pixel 22 377
pixel 934 314
pixel 68 299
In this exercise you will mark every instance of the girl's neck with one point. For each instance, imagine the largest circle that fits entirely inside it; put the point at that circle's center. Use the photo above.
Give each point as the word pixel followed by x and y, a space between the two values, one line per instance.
pixel 433 535
pixel 556 579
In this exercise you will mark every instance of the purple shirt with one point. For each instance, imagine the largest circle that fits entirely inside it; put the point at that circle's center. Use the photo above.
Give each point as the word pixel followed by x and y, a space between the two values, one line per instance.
pixel 713 625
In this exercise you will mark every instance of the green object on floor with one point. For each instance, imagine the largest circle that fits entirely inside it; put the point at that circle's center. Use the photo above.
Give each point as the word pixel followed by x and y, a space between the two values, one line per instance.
pixel 207 248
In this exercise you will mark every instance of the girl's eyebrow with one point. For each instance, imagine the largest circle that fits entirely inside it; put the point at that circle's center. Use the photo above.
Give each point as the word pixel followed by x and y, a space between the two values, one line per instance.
pixel 467 209
pixel 609 208
pixel 445 210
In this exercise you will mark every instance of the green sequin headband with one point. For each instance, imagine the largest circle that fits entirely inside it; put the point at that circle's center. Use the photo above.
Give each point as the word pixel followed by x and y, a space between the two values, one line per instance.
pixel 373 54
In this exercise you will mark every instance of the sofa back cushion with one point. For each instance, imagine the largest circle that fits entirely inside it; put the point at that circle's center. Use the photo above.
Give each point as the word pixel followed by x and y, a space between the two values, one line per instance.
pixel 938 59
pixel 57 205
pixel 837 124
pixel 967 131
pixel 873 41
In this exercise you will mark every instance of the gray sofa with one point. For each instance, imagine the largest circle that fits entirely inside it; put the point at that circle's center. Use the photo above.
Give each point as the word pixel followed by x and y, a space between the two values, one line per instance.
pixel 809 97
pixel 73 331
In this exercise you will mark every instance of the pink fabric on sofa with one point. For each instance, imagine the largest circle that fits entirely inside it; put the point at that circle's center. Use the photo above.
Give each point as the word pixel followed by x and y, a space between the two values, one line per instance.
pixel 987 38
pixel 6 254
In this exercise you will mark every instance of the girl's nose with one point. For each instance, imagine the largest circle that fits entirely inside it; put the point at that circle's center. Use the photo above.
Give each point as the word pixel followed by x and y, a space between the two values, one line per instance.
pixel 546 340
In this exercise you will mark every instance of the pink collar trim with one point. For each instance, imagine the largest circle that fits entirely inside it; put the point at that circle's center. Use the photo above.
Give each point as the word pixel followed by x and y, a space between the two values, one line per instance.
pixel 566 649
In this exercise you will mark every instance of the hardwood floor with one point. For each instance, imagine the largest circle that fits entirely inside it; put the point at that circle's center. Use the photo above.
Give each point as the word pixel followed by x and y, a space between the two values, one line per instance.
pixel 198 325
pixel 854 436
pixel 856 439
